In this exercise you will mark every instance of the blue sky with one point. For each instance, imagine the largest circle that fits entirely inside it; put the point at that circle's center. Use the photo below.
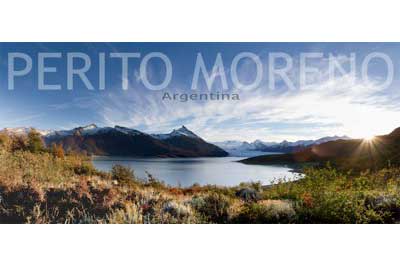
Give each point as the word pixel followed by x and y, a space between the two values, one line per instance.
pixel 324 107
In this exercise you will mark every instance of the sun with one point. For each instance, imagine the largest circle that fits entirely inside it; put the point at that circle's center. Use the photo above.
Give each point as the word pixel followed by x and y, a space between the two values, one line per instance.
pixel 369 138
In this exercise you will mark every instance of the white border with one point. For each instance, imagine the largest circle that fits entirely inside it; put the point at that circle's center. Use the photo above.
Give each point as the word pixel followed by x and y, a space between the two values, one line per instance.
pixel 202 20
pixel 199 245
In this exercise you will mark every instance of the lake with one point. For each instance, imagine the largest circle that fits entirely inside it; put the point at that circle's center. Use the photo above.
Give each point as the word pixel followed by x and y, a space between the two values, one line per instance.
pixel 224 171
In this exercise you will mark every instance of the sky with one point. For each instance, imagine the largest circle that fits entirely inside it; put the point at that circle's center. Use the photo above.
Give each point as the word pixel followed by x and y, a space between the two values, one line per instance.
pixel 325 106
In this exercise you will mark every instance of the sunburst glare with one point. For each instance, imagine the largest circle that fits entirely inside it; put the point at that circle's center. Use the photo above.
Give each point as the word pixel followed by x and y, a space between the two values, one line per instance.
pixel 369 138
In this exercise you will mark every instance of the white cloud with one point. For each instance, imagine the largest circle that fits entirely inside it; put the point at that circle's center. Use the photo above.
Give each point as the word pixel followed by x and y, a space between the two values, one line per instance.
pixel 343 105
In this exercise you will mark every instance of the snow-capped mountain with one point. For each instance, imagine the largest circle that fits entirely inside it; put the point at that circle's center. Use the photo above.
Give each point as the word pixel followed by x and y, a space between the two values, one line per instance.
pixel 91 129
pixel 123 141
pixel 120 140
pixel 258 147
pixel 182 131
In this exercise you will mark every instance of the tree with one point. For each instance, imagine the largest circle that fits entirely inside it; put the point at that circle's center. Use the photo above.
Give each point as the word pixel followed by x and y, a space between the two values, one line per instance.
pixel 35 143
pixel 57 150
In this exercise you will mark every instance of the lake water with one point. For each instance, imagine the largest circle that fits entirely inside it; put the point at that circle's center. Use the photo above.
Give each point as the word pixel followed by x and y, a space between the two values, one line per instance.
pixel 224 171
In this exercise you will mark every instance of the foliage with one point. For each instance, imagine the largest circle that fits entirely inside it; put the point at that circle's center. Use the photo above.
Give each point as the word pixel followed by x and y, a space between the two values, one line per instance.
pixel 18 143
pixel 57 150
pixel 5 141
pixel 122 174
pixel 213 207
pixel 329 196
pixel 35 142
pixel 267 212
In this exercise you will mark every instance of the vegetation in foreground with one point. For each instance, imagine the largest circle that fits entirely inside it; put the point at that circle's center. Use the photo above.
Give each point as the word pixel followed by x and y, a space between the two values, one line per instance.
pixel 40 185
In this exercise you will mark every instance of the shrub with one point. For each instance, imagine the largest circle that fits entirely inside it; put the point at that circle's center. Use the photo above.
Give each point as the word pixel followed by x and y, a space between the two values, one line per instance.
pixel 57 150
pixel 84 169
pixel 267 212
pixel 18 143
pixel 178 212
pixel 122 174
pixel 213 207
pixel 5 141
pixel 35 142
pixel 248 194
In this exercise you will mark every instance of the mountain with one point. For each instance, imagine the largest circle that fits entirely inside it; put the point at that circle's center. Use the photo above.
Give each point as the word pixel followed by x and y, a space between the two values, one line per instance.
pixel 243 148
pixel 122 141
pixel 185 139
pixel 355 154
pixel 181 132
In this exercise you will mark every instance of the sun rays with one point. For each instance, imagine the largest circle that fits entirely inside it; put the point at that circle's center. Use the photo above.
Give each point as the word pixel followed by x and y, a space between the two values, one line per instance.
pixel 369 138
pixel 370 147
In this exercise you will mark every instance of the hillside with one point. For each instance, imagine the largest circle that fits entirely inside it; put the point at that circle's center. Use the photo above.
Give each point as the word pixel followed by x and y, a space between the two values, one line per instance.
pixel 357 154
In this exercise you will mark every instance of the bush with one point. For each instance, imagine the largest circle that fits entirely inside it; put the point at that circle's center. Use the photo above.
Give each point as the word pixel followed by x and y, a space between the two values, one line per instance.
pixel 179 213
pixel 84 169
pixel 18 143
pixel 122 174
pixel 268 212
pixel 5 141
pixel 213 207
pixel 35 142
pixel 57 150
pixel 248 194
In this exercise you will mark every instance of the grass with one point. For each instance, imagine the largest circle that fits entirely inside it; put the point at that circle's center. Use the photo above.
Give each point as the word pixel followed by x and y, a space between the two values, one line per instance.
pixel 42 187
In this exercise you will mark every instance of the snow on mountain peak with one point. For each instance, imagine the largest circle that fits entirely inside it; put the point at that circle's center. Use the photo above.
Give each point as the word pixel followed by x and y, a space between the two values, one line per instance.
pixel 128 131
pixel 182 131
pixel 89 127
pixel 244 147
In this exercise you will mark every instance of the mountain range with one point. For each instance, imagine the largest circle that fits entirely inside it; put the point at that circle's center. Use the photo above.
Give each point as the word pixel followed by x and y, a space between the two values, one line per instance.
pixel 244 148
pixel 122 141
pixel 354 154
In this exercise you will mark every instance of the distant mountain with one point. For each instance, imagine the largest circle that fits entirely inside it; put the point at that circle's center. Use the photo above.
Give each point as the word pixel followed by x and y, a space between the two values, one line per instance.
pixel 243 148
pixel 185 139
pixel 354 154
pixel 124 141
pixel 181 132
pixel 23 131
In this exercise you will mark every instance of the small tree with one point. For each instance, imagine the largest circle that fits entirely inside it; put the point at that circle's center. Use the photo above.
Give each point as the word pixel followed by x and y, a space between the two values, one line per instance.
pixel 57 150
pixel 35 143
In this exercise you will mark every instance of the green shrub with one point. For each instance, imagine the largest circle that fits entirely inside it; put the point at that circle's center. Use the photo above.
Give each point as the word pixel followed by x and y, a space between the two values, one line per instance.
pixel 35 142
pixel 272 212
pixel 122 174
pixel 213 207
pixel 84 169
